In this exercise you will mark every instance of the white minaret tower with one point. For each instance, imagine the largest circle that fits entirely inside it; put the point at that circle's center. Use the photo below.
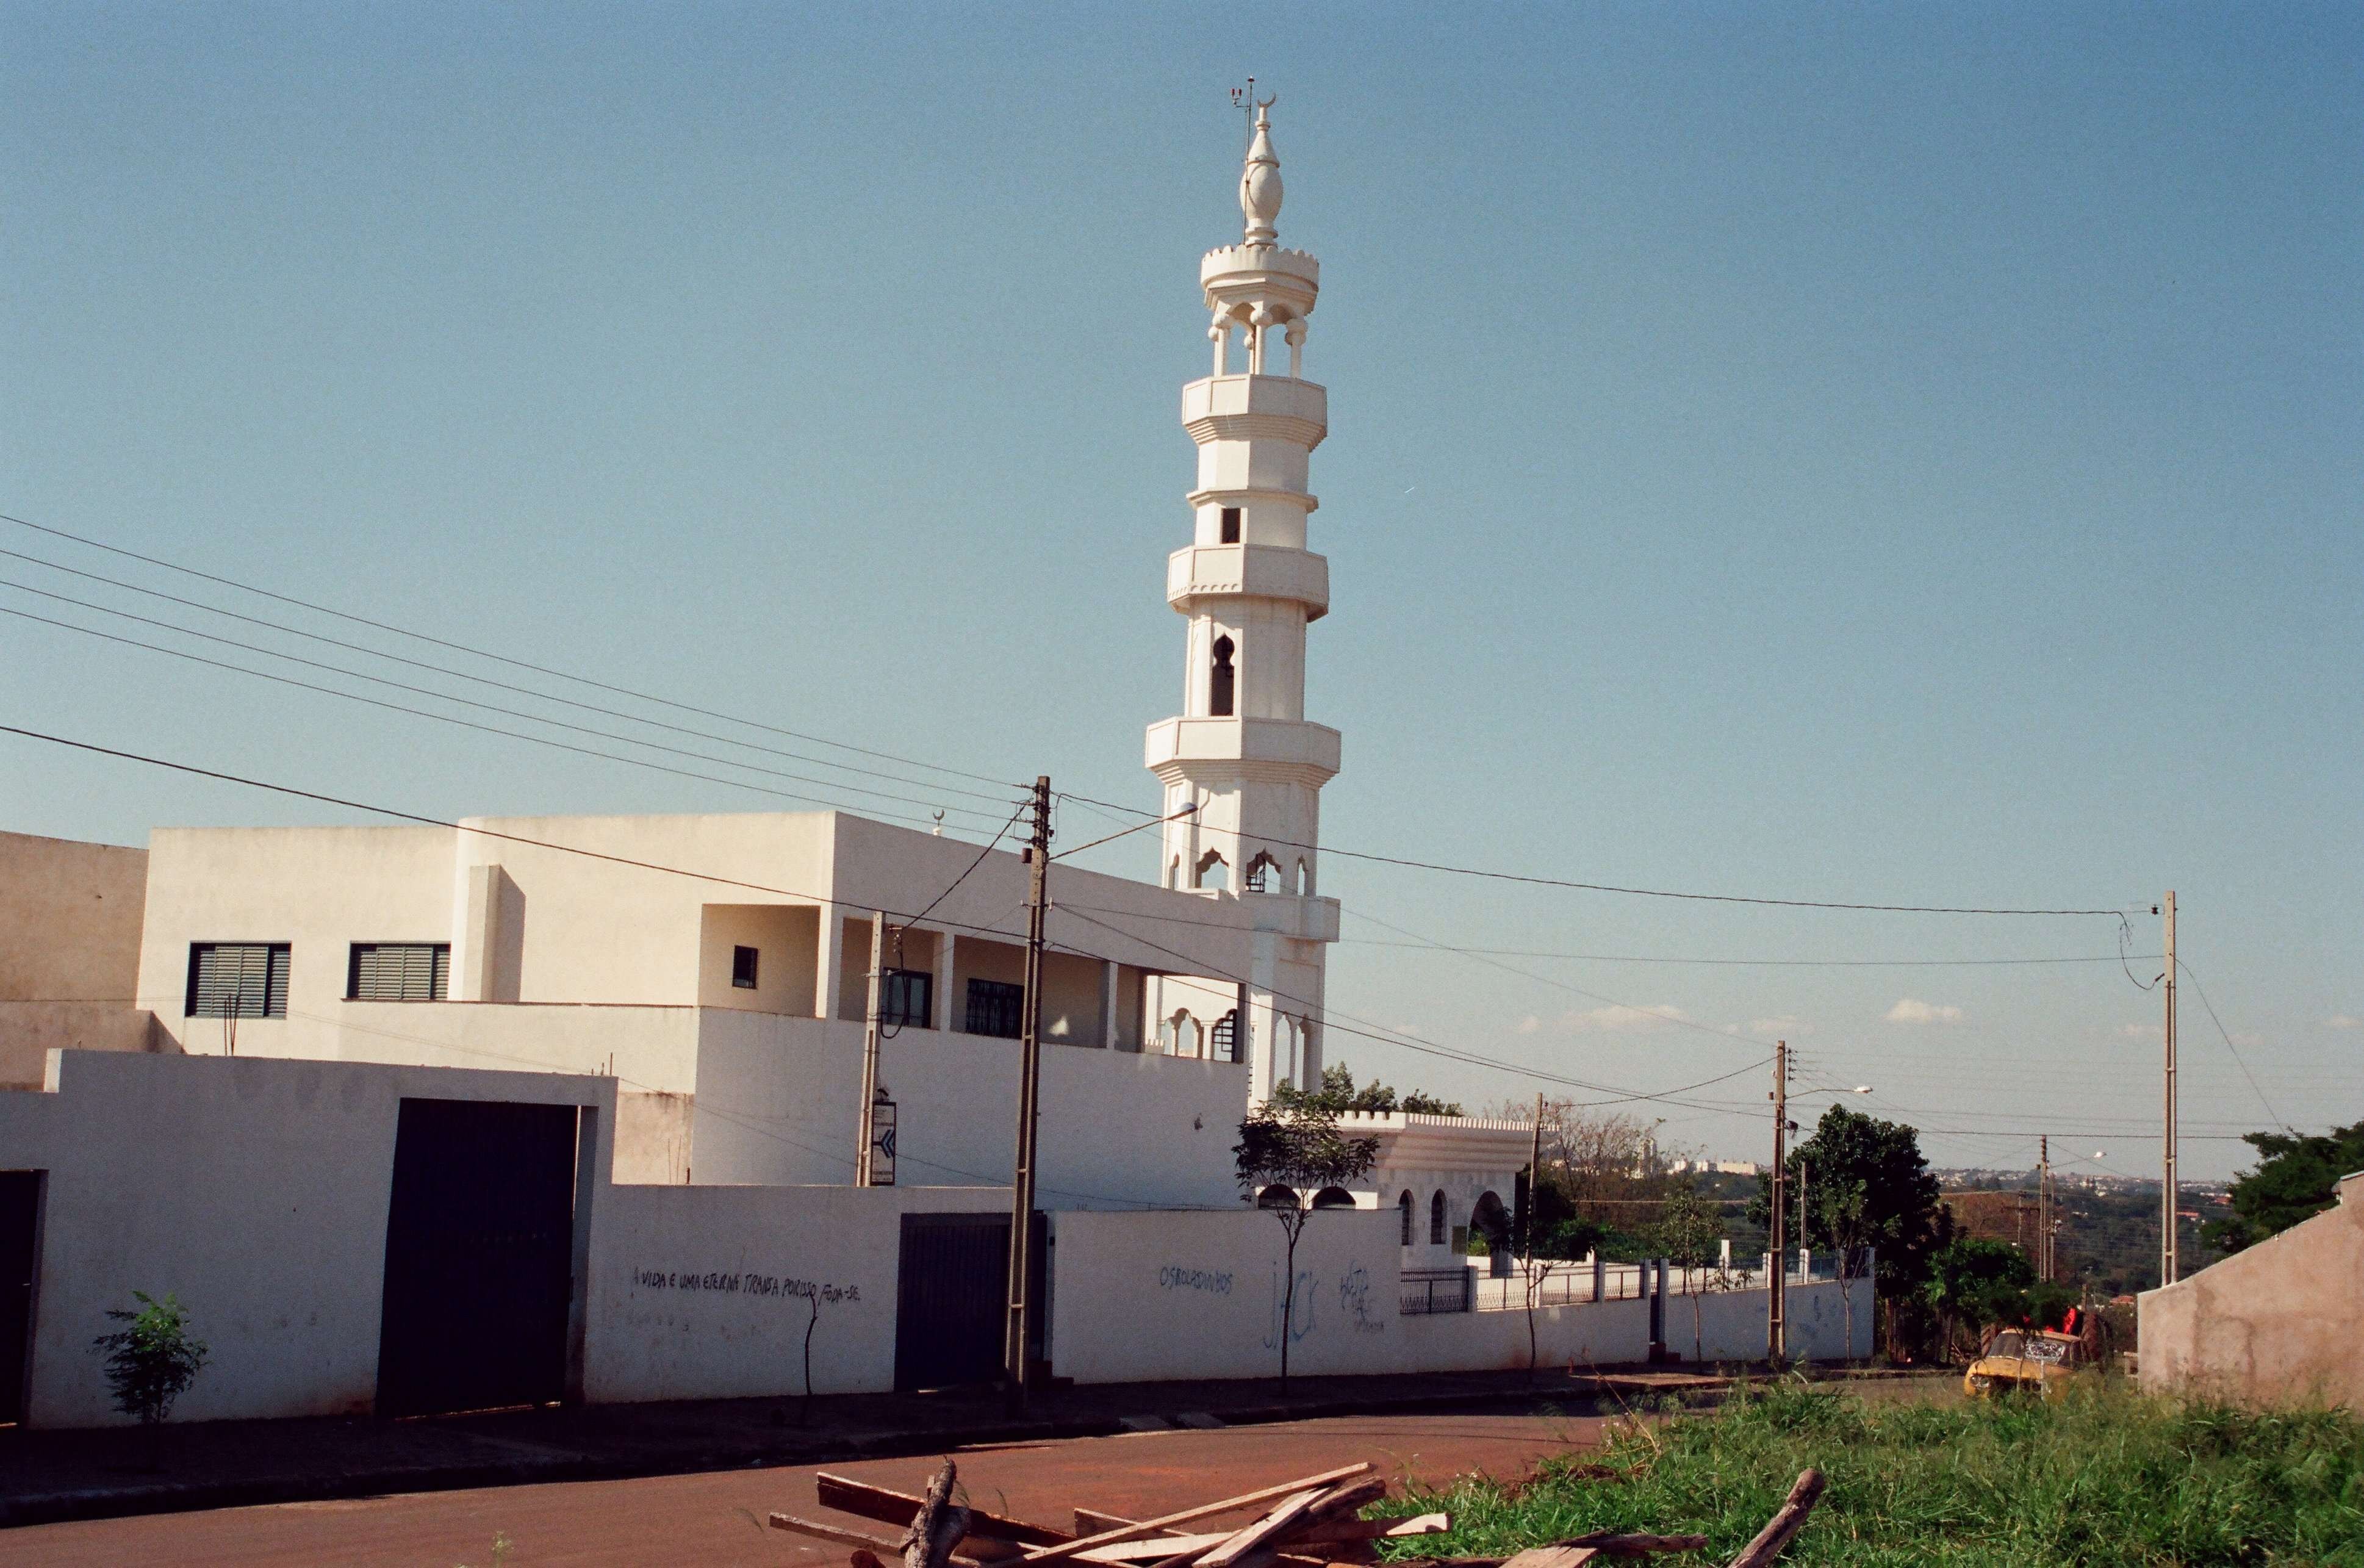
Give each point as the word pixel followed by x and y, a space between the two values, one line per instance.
pixel 1242 751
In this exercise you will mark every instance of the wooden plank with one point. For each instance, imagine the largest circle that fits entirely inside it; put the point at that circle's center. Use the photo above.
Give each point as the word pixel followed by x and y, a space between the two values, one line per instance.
pixel 1804 1493
pixel 1205 1510
pixel 878 1545
pixel 887 1506
pixel 1333 1530
pixel 1153 1549
pixel 1292 1515
pixel 939 1525
pixel 1553 1557
pixel 1636 1545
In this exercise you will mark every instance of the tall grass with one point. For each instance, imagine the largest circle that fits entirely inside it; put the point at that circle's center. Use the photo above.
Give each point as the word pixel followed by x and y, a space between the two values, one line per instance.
pixel 2105 1475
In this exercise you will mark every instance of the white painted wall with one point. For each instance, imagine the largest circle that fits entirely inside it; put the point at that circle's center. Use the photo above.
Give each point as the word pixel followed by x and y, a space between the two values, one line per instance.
pixel 777 1099
pixel 705 1293
pixel 255 1191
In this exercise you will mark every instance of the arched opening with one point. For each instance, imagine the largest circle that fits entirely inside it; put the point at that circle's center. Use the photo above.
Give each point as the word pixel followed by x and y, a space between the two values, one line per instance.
pixel 1179 1033
pixel 1219 688
pixel 1263 875
pixel 1436 1219
pixel 1304 877
pixel 1231 528
pixel 1212 871
pixel 1174 873
pixel 1333 1198
pixel 1285 1038
pixel 1224 1038
pixel 1277 1197
pixel 1403 1212
pixel 1491 1220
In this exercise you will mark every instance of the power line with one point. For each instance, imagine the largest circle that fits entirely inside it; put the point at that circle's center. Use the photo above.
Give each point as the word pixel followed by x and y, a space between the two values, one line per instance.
pixel 2227 1037
pixel 449 719
pixel 1734 963
pixel 442 696
pixel 1641 892
pixel 534 692
pixel 503 658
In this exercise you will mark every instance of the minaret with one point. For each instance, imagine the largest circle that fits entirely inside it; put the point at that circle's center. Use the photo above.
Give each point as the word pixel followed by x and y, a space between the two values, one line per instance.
pixel 1242 751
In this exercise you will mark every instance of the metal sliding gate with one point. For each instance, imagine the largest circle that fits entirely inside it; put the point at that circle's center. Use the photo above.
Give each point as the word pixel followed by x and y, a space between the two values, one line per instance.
pixel 950 1315
pixel 479 1257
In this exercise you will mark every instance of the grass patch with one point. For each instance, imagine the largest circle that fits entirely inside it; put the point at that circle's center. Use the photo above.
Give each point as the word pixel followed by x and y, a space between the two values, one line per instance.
pixel 2106 1475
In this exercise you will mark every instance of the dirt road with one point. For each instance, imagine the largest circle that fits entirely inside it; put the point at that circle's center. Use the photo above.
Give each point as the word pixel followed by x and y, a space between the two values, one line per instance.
pixel 718 1519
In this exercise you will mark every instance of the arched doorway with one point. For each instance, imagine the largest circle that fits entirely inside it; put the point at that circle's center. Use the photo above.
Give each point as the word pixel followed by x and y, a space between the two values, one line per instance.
pixel 1490 1219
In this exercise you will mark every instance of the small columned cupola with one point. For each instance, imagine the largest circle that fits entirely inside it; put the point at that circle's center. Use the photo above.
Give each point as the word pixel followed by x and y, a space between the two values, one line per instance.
pixel 1242 766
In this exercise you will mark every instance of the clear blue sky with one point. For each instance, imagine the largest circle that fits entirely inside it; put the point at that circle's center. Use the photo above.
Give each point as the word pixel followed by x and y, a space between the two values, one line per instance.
pixel 1903 455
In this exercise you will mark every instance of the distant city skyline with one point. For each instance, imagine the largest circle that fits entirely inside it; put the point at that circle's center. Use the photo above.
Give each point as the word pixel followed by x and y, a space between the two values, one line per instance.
pixel 1904 458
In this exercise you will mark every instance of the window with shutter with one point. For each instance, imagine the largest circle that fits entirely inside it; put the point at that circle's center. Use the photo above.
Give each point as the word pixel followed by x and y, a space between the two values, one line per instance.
pixel 398 971
pixel 237 980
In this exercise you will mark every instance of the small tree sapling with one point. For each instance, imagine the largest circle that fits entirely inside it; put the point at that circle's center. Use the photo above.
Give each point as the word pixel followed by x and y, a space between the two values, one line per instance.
pixel 1297 1147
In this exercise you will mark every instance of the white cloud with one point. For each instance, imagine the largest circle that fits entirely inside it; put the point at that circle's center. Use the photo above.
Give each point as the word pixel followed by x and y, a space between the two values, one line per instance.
pixel 1911 1012
pixel 1789 1026
pixel 2136 1031
pixel 1619 1018
pixel 1529 1024
pixel 2344 1020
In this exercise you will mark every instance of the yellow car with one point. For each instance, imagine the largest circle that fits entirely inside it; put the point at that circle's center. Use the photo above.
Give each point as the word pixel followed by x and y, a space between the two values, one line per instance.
pixel 2039 1362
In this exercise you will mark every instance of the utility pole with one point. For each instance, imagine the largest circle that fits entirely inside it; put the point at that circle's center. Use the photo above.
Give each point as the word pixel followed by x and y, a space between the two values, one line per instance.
pixel 2044 1207
pixel 2167 1271
pixel 1535 1177
pixel 1777 1329
pixel 1029 1074
pixel 869 1131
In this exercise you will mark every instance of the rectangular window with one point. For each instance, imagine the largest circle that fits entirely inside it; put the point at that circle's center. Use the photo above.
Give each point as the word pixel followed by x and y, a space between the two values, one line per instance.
pixel 994 1008
pixel 398 971
pixel 1231 525
pixel 906 997
pixel 237 980
pixel 742 968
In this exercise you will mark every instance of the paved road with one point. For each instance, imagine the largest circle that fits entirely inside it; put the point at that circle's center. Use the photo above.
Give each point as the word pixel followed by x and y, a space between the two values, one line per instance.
pixel 719 1518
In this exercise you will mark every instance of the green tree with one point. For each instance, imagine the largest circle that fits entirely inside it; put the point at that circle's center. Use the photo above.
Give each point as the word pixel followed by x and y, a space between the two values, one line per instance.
pixel 2293 1181
pixel 1292 1151
pixel 151 1361
pixel 1337 1094
pixel 1975 1284
pixel 1868 1179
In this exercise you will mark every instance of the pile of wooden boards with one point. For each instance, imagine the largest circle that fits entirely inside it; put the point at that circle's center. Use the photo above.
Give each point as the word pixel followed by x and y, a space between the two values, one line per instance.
pixel 1307 1523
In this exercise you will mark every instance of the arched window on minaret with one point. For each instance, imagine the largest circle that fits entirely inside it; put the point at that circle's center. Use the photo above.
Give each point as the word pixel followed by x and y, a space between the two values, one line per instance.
pixel 1174 873
pixel 1263 875
pixel 1218 689
pixel 1212 871
pixel 1304 877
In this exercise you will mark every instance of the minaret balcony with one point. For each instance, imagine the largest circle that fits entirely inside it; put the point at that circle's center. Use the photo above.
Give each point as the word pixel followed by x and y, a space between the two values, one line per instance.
pixel 1302 916
pixel 1248 407
pixel 1255 571
pixel 1288 751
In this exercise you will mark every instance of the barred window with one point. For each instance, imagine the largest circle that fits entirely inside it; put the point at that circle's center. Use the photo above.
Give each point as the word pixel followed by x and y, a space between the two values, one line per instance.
pixel 398 971
pixel 906 997
pixel 237 980
pixel 994 1007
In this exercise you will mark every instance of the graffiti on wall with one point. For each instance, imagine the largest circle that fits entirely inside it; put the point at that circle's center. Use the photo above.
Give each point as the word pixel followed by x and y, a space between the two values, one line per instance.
pixel 1214 1282
pixel 721 1282
pixel 1354 1301
pixel 1301 1320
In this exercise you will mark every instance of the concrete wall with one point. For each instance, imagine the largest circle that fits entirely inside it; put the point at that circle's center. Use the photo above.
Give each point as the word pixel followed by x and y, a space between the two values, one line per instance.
pixel 29 1031
pixel 705 1293
pixel 778 1105
pixel 255 1191
pixel 70 920
pixel 2281 1322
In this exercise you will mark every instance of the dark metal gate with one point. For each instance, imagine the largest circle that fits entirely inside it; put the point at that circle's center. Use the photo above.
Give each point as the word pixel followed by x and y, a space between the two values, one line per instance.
pixel 20 1261
pixel 479 1257
pixel 950 1307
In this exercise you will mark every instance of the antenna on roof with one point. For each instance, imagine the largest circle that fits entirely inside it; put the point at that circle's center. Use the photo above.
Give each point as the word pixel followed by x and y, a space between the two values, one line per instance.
pixel 1244 100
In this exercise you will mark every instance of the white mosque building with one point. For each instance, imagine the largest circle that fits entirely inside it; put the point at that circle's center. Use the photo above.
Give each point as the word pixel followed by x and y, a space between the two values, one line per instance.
pixel 717 965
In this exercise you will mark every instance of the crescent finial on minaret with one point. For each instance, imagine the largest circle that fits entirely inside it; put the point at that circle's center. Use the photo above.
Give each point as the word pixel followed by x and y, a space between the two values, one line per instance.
pixel 1260 181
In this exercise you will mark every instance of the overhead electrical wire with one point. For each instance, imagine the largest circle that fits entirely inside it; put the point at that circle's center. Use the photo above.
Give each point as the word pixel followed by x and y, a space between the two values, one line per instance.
pixel 502 659
pixel 2226 1035
pixel 539 695
pixel 1636 891
pixel 488 729
pixel 1730 963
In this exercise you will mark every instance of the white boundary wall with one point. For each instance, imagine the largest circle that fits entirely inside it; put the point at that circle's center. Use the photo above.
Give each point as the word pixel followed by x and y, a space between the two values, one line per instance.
pixel 1165 1296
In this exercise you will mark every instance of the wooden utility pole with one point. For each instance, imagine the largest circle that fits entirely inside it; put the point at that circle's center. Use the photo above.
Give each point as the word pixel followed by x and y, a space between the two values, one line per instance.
pixel 1030 1075
pixel 1535 1177
pixel 2043 1206
pixel 1777 1329
pixel 869 1130
pixel 2167 1272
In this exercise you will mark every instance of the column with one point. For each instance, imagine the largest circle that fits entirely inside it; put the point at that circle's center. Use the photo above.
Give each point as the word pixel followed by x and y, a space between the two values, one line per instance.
pixel 1108 1004
pixel 944 1017
pixel 832 954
